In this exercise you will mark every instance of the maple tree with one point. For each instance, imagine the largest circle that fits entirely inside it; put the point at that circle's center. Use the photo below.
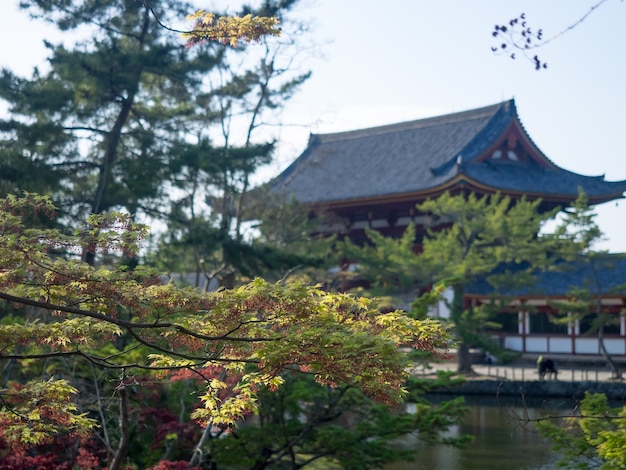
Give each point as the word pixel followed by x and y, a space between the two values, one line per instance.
pixel 102 362
pixel 302 423
pixel 232 30
pixel 128 321
pixel 229 29
pixel 593 436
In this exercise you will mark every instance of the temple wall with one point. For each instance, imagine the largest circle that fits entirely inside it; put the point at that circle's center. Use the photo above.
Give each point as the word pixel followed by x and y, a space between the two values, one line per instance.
pixel 441 309
pixel 560 344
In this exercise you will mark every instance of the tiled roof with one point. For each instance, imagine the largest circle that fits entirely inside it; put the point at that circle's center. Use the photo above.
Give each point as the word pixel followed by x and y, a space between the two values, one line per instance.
pixel 417 156
pixel 607 271
pixel 534 179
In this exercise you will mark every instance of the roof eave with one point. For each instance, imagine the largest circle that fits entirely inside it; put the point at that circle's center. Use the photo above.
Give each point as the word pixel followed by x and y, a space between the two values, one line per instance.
pixel 460 181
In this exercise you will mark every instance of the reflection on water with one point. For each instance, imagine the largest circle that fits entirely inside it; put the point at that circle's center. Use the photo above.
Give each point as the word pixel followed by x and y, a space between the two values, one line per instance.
pixel 502 440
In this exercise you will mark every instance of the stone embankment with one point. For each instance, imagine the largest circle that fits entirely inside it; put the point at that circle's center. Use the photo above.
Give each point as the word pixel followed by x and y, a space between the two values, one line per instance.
pixel 577 375
pixel 552 388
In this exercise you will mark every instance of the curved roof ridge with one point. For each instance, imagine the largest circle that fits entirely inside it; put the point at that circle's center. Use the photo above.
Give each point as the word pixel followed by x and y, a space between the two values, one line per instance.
pixel 499 121
pixel 459 116
pixel 531 142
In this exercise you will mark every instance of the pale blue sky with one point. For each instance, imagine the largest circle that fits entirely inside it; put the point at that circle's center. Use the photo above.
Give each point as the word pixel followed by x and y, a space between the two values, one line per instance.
pixel 398 60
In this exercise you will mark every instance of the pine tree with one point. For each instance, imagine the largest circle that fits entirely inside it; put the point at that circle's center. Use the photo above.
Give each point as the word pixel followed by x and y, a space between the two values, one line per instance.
pixel 486 233
pixel 123 118
pixel 478 238
pixel 576 238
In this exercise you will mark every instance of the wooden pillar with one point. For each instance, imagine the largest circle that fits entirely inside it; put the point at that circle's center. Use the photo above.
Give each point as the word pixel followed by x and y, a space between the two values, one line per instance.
pixel 622 328
pixel 572 330
pixel 522 327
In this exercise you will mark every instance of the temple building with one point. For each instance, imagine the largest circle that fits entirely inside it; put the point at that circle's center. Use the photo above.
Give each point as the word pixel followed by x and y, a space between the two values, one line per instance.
pixel 375 177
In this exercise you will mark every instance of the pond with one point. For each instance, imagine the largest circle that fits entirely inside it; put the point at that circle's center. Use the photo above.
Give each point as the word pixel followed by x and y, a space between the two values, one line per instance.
pixel 501 439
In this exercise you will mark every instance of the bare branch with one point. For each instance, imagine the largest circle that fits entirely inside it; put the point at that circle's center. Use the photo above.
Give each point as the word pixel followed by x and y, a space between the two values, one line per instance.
pixel 517 35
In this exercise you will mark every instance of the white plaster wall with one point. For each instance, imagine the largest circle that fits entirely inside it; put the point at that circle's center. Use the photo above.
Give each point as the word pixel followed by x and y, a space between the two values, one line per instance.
pixel 539 345
pixel 615 346
pixel 441 309
pixel 587 346
pixel 561 345
pixel 513 342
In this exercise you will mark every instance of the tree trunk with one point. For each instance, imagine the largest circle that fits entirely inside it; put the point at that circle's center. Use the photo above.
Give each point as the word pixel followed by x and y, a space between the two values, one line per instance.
pixel 616 373
pixel 464 360
pixel 198 453
pixel 113 140
pixel 122 448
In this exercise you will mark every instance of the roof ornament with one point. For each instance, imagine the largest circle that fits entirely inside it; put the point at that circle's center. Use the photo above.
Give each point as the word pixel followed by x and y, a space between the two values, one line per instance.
pixel 459 160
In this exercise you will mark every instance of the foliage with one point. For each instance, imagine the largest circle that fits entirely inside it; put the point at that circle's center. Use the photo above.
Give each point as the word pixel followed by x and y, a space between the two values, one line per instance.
pixel 578 231
pixel 594 438
pixel 210 222
pixel 387 264
pixel 490 239
pixel 301 423
pixel 107 110
pixel 290 226
pixel 34 413
pixel 229 30
pixel 484 233
pixel 145 374
pixel 129 322
pixel 128 100
pixel 575 238
pixel 283 245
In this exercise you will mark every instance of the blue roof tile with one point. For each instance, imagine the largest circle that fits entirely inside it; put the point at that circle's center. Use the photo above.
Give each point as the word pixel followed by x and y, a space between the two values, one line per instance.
pixel 608 271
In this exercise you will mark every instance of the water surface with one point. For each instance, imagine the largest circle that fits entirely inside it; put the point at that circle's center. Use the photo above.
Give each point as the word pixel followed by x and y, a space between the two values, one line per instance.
pixel 503 439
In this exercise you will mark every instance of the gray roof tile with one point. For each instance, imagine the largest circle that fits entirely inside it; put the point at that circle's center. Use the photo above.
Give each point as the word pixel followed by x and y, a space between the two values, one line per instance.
pixel 416 156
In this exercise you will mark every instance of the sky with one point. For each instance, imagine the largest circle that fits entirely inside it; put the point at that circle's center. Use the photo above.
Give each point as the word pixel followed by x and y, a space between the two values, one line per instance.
pixel 383 62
